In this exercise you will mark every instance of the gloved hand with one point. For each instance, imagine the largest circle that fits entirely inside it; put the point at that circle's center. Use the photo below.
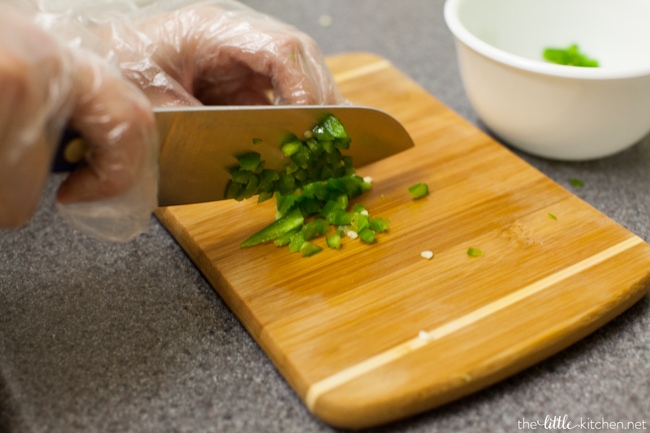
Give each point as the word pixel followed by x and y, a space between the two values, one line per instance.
pixel 217 52
pixel 44 84
pixel 177 52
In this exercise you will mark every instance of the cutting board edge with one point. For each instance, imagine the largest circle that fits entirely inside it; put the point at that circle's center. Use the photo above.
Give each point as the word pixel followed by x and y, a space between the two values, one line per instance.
pixel 343 414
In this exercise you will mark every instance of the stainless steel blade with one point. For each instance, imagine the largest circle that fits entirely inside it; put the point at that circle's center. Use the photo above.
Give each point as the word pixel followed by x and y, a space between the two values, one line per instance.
pixel 199 144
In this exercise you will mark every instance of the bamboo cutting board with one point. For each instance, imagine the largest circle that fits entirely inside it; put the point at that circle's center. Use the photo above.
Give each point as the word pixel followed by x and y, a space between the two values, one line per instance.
pixel 373 333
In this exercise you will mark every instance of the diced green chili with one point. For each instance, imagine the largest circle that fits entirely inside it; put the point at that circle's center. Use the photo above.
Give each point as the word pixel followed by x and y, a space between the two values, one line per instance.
pixel 296 241
pixel 312 191
pixel 249 161
pixel 330 129
pixel 576 183
pixel 308 249
pixel 291 147
pixel 359 208
pixel 360 222
pixel 241 176
pixel 474 252
pixel 570 56
pixel 367 235
pixel 379 224
pixel 251 187
pixel 315 228
pixel 233 189
pixel 419 190
pixel 286 184
pixel 340 217
pixel 301 157
pixel 334 241
pixel 264 196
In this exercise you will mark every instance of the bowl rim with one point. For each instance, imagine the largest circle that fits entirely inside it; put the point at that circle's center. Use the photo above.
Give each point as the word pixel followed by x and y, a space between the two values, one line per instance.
pixel 466 37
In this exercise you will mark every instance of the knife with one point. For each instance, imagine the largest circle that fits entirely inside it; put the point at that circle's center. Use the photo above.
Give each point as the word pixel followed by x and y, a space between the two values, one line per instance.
pixel 199 144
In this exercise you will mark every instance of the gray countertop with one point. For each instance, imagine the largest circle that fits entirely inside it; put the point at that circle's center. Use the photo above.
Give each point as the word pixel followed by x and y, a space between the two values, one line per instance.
pixel 98 337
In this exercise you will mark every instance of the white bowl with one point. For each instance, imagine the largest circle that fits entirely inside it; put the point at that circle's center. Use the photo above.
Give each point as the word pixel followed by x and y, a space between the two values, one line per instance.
pixel 550 110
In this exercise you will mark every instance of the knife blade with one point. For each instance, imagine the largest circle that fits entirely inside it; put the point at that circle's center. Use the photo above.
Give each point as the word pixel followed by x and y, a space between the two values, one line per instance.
pixel 199 145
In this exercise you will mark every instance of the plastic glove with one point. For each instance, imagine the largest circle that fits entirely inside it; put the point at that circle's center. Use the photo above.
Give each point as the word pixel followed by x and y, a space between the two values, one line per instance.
pixel 44 85
pixel 216 53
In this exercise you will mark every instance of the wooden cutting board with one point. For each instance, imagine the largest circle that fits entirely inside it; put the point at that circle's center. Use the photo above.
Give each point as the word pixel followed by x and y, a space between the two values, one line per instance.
pixel 373 333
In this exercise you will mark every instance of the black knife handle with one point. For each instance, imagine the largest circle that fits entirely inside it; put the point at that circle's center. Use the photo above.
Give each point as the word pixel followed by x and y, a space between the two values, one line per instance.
pixel 69 152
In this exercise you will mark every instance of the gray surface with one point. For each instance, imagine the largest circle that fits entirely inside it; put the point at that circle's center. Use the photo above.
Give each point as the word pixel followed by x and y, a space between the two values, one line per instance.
pixel 97 337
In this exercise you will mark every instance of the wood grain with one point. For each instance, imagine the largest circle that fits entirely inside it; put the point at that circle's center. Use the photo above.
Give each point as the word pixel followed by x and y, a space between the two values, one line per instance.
pixel 371 334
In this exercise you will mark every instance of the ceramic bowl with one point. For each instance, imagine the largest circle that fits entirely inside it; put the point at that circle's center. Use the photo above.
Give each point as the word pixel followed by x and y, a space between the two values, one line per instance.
pixel 548 109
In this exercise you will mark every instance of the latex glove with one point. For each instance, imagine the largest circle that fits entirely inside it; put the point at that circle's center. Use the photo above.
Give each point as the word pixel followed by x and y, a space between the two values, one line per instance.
pixel 44 84
pixel 217 53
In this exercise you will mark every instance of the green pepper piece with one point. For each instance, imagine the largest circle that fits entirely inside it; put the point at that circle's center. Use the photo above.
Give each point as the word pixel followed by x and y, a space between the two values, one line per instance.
pixel 249 161
pixel 316 190
pixel 309 205
pixel 570 56
pixel 350 186
pixel 268 177
pixel 264 196
pixel 292 146
pixel 241 176
pixel 315 228
pixel 314 146
pixel 359 208
pixel 284 202
pixel 332 206
pixel 290 168
pixel 419 190
pixel 233 189
pixel 330 129
pixel 334 241
pixel 326 172
pixel 251 187
pixel 296 241
pixel 286 223
pixel 360 222
pixel 328 146
pixel 379 224
pixel 301 156
pixel 340 217
pixel 343 201
pixel 301 176
pixel 367 235
pixel 576 183
pixel 286 184
pixel 309 249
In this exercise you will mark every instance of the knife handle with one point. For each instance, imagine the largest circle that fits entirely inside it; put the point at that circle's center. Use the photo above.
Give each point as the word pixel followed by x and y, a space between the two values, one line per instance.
pixel 69 152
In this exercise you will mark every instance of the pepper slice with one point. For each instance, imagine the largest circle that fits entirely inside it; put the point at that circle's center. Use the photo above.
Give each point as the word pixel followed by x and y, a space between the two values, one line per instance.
pixel 290 221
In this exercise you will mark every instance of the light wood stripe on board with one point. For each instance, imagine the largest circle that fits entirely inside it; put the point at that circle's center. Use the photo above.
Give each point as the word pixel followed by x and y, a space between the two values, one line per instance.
pixel 362 70
pixel 319 388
